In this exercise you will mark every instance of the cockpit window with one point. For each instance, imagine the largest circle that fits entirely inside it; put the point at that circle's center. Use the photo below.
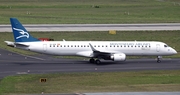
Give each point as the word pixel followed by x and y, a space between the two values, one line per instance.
pixel 165 45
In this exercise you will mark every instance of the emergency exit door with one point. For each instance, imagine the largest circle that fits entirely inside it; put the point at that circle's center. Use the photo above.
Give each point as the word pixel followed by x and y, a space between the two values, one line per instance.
pixel 44 47
pixel 157 47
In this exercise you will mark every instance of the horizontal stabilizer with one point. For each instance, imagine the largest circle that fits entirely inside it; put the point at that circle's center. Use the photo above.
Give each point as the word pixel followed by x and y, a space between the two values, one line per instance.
pixel 21 45
pixel 9 43
pixel 14 44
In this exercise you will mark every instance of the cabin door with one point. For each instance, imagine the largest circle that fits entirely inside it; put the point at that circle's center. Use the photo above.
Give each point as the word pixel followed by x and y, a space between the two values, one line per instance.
pixel 44 47
pixel 157 47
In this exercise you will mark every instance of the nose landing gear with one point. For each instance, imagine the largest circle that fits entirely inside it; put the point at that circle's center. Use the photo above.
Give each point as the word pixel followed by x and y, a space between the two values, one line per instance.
pixel 159 59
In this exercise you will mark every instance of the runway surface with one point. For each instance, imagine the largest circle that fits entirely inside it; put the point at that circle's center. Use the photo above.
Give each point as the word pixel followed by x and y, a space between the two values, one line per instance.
pixel 14 64
pixel 95 27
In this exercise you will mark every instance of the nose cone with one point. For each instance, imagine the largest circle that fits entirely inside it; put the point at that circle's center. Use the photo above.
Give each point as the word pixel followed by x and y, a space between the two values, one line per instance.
pixel 174 51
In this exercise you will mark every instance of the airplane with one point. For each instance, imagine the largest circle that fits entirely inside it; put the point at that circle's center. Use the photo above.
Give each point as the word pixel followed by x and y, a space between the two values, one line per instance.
pixel 95 50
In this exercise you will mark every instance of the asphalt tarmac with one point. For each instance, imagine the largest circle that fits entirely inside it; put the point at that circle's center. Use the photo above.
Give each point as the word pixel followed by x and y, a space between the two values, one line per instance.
pixel 95 27
pixel 15 64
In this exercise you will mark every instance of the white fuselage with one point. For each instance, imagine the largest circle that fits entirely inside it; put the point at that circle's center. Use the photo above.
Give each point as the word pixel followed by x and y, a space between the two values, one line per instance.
pixel 82 48
pixel 107 50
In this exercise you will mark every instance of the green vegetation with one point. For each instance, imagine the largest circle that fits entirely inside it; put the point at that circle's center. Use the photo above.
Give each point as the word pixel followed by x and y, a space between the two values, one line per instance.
pixel 172 38
pixel 93 11
pixel 93 82
pixel 90 11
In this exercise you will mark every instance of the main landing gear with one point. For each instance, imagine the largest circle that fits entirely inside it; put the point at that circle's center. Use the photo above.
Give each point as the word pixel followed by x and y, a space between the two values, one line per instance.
pixel 97 61
pixel 158 59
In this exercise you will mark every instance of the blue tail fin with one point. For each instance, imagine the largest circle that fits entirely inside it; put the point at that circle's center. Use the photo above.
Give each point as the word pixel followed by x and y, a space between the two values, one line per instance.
pixel 20 33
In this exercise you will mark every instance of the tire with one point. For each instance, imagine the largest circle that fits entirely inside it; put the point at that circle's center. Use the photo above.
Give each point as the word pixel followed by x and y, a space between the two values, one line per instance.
pixel 98 62
pixel 158 61
pixel 91 60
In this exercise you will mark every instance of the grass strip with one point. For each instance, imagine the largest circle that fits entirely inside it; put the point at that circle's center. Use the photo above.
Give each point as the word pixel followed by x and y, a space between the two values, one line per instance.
pixel 90 11
pixel 164 80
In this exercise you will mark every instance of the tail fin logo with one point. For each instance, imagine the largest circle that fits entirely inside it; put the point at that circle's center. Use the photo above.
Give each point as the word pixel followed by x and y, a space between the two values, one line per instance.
pixel 22 32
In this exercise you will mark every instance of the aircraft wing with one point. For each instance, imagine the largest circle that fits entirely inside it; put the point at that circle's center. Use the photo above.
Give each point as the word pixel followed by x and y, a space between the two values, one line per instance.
pixel 102 52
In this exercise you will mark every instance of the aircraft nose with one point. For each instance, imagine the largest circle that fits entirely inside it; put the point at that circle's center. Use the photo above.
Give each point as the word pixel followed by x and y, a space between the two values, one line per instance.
pixel 174 51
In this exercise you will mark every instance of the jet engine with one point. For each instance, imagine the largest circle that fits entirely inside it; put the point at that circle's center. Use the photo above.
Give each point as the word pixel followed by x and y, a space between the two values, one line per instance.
pixel 118 57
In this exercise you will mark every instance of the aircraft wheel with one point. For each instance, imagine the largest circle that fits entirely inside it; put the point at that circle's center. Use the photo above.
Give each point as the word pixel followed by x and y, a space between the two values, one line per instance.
pixel 158 61
pixel 91 60
pixel 98 61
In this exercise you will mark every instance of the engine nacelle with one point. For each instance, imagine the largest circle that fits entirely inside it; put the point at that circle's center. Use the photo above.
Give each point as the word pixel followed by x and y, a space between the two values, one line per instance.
pixel 118 57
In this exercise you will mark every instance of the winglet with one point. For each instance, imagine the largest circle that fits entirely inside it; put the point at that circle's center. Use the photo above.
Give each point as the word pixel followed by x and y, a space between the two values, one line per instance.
pixel 20 33
pixel 93 49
